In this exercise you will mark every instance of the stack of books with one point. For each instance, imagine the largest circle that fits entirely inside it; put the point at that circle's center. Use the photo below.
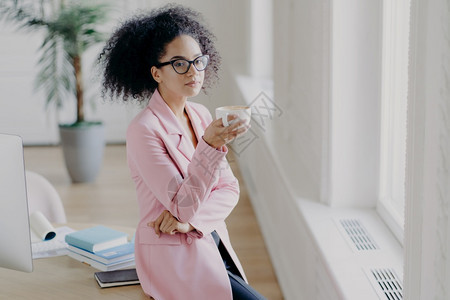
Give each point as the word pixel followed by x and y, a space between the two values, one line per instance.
pixel 101 247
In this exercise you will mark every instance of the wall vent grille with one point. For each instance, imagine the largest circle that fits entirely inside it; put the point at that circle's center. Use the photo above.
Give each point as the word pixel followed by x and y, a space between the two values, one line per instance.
pixel 358 234
pixel 387 283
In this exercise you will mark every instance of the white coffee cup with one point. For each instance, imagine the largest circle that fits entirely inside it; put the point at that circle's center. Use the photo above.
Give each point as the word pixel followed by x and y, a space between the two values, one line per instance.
pixel 242 112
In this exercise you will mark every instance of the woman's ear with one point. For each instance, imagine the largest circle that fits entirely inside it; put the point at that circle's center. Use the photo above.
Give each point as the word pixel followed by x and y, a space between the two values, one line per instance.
pixel 155 74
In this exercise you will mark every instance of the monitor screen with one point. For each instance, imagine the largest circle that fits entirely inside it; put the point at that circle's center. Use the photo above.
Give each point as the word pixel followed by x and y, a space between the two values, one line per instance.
pixel 15 242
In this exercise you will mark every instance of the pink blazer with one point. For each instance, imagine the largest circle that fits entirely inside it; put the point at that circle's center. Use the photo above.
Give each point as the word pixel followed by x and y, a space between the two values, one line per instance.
pixel 197 186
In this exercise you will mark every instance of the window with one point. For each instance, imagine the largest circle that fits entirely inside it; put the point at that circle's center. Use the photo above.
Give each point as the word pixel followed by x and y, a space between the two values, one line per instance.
pixel 261 39
pixel 393 114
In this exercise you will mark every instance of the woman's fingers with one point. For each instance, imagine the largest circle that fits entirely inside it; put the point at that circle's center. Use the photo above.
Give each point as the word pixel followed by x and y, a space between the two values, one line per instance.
pixel 242 130
pixel 156 224
pixel 236 126
pixel 219 122
pixel 231 118
pixel 234 131
pixel 171 227
pixel 166 223
pixel 217 135
pixel 162 223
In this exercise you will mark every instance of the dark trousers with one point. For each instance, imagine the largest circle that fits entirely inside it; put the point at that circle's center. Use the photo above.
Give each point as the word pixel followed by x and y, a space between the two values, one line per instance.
pixel 241 290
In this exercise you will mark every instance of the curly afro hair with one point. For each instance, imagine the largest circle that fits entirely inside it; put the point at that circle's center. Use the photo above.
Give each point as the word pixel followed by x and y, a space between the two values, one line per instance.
pixel 140 42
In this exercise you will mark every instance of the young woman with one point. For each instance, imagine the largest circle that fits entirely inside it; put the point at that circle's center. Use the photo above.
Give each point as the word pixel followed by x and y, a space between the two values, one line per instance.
pixel 176 154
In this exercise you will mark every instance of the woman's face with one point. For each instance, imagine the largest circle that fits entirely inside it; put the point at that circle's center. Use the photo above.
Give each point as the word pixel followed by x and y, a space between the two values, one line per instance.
pixel 172 85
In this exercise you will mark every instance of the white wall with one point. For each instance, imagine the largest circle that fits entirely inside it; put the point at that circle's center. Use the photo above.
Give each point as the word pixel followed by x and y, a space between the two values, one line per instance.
pixel 354 103
pixel 22 109
pixel 327 81
pixel 302 88
pixel 427 255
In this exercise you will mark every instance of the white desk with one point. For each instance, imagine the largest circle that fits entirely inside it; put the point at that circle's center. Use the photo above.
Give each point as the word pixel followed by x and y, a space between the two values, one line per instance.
pixel 63 277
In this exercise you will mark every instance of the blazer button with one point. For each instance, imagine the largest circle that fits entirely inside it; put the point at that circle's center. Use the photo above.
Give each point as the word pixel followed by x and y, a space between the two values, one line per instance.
pixel 189 240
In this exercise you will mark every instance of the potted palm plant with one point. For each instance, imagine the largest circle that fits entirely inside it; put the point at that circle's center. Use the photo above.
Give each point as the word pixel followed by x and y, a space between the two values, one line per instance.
pixel 70 29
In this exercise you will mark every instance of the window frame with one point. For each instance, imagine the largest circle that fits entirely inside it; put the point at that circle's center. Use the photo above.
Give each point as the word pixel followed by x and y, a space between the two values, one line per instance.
pixel 394 91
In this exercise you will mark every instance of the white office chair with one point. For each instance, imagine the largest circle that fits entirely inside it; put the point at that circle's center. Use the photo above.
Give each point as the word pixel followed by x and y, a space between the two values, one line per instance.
pixel 43 197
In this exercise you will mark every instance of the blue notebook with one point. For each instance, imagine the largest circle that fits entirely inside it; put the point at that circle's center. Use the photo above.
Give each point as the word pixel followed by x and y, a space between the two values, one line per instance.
pixel 100 266
pixel 96 238
pixel 108 256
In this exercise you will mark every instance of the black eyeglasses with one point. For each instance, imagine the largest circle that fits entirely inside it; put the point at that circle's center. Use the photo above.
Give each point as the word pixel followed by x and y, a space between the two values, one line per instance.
pixel 181 66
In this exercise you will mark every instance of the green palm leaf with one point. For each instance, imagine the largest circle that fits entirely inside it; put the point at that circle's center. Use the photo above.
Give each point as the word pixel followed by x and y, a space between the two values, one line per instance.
pixel 69 32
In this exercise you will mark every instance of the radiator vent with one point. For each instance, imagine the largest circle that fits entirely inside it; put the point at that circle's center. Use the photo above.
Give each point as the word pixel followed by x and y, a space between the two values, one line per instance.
pixel 387 283
pixel 358 235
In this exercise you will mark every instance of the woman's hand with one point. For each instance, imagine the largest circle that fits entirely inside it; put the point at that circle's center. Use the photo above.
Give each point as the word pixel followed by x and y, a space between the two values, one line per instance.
pixel 216 135
pixel 166 223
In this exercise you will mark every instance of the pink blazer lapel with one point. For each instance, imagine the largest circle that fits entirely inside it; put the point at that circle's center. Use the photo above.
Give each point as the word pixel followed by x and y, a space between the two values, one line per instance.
pixel 172 127
pixel 195 121
pixel 185 147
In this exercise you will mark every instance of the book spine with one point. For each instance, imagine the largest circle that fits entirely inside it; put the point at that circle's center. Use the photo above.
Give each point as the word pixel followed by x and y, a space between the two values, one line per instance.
pixel 88 261
pixel 88 254
pixel 100 266
pixel 126 255
pixel 79 243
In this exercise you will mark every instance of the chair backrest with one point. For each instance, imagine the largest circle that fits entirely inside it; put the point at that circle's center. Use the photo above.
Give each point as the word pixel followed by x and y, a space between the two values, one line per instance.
pixel 43 197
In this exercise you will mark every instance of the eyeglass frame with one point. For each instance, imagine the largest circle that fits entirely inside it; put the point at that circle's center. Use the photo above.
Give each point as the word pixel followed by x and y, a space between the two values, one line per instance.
pixel 191 62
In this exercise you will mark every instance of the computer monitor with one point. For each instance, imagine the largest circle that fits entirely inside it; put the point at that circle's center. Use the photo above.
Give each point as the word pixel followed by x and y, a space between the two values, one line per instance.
pixel 15 241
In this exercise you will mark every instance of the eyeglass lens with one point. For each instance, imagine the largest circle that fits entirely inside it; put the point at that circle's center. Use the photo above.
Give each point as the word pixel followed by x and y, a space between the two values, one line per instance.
pixel 182 66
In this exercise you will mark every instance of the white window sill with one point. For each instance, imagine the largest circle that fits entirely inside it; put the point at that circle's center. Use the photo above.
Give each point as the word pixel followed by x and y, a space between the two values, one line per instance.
pixel 347 265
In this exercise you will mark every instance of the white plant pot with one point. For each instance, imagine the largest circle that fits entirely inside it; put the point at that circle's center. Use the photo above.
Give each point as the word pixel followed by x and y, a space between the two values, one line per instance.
pixel 83 148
